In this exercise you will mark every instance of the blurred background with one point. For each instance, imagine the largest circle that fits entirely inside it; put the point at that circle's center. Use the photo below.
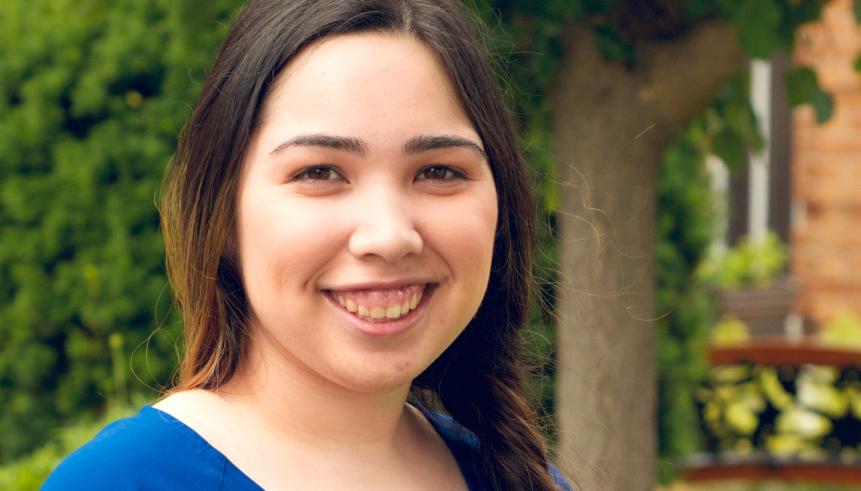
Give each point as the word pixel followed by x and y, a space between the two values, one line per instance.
pixel 697 320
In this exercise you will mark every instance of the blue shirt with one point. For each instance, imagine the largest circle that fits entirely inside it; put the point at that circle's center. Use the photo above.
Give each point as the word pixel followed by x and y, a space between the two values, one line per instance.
pixel 152 450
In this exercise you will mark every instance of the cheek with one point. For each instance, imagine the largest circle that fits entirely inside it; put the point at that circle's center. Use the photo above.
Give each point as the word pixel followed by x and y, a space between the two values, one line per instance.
pixel 463 231
pixel 283 244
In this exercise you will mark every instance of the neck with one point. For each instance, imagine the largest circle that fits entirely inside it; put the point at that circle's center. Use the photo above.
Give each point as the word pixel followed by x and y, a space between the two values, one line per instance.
pixel 286 397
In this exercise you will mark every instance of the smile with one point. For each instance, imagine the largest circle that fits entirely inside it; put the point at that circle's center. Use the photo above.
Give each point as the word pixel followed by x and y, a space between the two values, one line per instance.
pixel 381 305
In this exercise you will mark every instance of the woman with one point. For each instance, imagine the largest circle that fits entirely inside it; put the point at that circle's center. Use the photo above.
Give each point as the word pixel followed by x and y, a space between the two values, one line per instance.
pixel 348 228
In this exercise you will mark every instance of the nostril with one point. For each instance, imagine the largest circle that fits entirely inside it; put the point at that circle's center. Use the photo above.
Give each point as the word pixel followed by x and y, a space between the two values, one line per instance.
pixel 389 242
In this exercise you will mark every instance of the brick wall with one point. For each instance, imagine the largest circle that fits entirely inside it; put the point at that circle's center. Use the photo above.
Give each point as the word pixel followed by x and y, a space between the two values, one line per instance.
pixel 826 170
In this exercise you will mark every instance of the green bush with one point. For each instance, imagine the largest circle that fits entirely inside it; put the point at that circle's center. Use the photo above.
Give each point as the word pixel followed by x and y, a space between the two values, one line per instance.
pixel 28 473
pixel 843 331
pixel 729 331
pixel 685 310
pixel 748 264
pixel 808 412
pixel 92 95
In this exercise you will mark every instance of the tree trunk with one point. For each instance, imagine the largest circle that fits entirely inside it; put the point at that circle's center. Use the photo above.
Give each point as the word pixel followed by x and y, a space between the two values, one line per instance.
pixel 612 126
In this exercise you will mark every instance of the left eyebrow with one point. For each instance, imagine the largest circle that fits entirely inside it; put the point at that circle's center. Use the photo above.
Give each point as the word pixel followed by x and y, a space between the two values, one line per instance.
pixel 347 144
pixel 424 143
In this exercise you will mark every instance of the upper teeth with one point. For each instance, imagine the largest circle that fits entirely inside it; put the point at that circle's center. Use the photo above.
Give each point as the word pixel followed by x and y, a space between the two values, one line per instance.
pixel 377 312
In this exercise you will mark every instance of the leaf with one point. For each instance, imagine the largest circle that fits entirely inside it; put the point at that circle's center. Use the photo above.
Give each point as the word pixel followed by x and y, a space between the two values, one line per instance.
pixel 802 87
pixel 613 46
pixel 698 9
pixel 741 418
pixel 802 422
pixel 758 24
pixel 729 146
pixel 858 62
pixel 823 104
pixel 740 118
pixel 856 8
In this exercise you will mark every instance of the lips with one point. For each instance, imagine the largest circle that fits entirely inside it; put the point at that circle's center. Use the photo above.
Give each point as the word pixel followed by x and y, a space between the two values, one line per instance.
pixel 380 304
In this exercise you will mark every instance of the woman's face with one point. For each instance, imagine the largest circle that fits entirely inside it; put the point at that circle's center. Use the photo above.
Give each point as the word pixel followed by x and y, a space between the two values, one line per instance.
pixel 366 214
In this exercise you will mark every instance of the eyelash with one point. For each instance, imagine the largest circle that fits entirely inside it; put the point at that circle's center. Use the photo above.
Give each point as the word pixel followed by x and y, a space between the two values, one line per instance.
pixel 455 173
pixel 305 174
pixel 451 173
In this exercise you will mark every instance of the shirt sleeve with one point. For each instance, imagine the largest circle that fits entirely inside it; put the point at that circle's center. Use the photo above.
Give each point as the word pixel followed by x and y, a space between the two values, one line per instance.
pixel 563 483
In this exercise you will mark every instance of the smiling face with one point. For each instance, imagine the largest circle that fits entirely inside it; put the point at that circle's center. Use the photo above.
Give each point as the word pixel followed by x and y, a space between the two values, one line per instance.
pixel 366 215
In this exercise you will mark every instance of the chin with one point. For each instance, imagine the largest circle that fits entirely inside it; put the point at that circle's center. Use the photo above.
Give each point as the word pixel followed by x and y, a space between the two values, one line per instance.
pixel 380 379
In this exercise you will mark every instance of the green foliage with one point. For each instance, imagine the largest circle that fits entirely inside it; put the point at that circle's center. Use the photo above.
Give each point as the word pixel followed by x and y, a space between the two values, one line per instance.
pixel 856 9
pixel 613 46
pixel 539 335
pixel 28 473
pixel 758 22
pixel 730 124
pixel 802 87
pixel 766 26
pixel 843 331
pixel 685 213
pixel 729 331
pixel 683 237
pixel 810 412
pixel 748 265
pixel 92 95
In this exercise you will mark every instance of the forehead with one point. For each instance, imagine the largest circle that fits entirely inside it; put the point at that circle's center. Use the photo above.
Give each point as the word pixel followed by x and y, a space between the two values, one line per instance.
pixel 342 57
pixel 363 81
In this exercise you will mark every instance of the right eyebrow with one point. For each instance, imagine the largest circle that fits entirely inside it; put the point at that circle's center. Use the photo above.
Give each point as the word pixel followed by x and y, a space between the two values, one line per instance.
pixel 352 145
pixel 426 143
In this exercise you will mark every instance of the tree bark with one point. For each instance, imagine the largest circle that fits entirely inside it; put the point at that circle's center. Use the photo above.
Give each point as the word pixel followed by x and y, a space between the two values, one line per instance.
pixel 612 125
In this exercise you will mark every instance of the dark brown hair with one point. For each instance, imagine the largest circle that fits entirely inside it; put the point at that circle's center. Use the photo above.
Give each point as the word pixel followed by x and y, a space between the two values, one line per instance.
pixel 477 378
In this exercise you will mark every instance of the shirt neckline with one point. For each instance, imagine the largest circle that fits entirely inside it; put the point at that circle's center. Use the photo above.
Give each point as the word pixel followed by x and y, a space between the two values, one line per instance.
pixel 199 440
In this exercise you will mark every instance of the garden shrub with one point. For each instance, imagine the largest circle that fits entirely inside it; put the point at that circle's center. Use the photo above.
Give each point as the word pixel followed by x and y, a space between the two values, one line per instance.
pixel 92 95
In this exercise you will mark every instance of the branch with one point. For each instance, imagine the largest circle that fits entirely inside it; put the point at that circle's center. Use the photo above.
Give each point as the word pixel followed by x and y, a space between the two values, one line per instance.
pixel 683 76
pixel 671 83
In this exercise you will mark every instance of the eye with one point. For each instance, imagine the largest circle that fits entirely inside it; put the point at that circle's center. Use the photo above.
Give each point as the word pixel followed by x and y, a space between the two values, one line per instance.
pixel 440 173
pixel 317 173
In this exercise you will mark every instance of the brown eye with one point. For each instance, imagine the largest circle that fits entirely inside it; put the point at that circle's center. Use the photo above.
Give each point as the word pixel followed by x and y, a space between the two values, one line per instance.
pixel 318 173
pixel 440 173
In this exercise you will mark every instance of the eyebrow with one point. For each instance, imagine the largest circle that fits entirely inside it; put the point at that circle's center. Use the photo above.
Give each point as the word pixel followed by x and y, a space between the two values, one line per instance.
pixel 415 145
pixel 352 145
pixel 425 143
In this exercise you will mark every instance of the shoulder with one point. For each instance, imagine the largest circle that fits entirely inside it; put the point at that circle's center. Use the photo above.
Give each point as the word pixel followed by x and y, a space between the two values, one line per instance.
pixel 454 434
pixel 150 450
pixel 561 480
pixel 466 446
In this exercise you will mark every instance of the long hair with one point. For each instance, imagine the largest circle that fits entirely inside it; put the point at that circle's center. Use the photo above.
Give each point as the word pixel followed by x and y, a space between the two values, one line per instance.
pixel 477 379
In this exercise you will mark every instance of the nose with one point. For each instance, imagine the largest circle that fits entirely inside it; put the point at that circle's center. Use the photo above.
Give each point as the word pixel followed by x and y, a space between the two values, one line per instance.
pixel 385 227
